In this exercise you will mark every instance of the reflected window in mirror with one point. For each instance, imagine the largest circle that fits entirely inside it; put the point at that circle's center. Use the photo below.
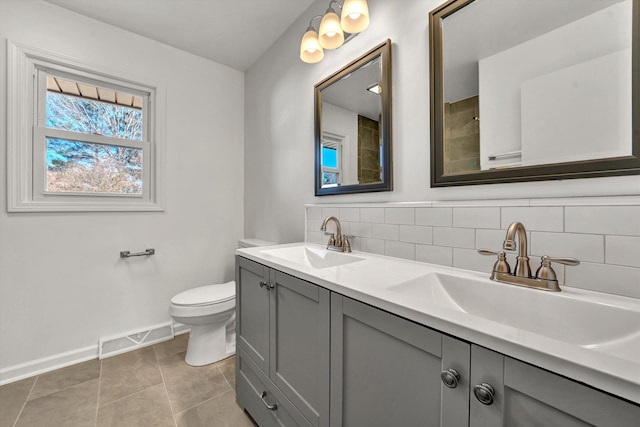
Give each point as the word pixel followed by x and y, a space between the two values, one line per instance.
pixel 534 89
pixel 353 126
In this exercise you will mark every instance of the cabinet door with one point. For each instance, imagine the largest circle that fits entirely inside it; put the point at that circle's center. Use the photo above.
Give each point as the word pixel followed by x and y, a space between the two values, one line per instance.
pixel 252 316
pixel 385 370
pixel 530 396
pixel 300 345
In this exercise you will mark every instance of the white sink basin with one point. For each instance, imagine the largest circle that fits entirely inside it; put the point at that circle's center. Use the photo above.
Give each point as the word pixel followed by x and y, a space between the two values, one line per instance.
pixel 566 316
pixel 311 256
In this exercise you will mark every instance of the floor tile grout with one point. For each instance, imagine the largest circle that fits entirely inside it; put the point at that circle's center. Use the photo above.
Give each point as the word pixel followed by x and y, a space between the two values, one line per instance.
pixel 94 418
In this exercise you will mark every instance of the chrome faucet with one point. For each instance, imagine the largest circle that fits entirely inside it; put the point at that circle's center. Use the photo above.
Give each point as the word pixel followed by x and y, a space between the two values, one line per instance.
pixel 545 277
pixel 339 243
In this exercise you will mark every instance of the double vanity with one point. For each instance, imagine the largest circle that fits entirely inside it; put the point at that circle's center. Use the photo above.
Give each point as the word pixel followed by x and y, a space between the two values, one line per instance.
pixel 352 339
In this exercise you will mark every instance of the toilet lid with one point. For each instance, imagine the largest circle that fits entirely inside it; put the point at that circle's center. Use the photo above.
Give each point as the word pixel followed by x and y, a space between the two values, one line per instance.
pixel 206 295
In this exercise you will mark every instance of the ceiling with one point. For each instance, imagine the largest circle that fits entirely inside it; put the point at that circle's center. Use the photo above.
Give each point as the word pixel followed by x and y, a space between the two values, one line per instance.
pixel 231 32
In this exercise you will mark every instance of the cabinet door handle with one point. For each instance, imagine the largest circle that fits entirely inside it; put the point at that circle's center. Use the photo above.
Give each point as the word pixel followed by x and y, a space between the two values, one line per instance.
pixel 450 378
pixel 485 393
pixel 269 407
pixel 268 285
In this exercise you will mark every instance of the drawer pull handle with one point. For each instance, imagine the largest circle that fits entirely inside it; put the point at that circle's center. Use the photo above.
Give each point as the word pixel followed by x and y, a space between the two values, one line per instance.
pixel 485 393
pixel 450 378
pixel 269 407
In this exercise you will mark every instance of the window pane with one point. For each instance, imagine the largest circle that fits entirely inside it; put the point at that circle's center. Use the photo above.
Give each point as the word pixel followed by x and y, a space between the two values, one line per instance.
pixel 329 157
pixel 93 116
pixel 330 178
pixel 75 166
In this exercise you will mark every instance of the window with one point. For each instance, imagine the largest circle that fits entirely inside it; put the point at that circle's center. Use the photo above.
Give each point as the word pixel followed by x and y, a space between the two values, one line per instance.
pixel 82 140
pixel 331 159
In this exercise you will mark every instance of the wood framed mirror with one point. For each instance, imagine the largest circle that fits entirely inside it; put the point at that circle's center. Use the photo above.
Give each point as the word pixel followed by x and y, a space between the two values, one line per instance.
pixel 353 126
pixel 530 90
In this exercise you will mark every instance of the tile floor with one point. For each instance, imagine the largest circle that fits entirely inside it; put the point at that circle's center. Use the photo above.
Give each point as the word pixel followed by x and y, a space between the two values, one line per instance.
pixel 148 387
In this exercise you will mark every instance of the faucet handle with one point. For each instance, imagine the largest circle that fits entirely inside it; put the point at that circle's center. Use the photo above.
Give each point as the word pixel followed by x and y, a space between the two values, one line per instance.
pixel 487 252
pixel 565 261
pixel 501 265
pixel 546 272
pixel 346 244
pixel 332 239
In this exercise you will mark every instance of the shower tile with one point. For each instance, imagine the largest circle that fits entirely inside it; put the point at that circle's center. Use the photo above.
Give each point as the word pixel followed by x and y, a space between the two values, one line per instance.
pixel 220 411
pixel 146 408
pixel 189 386
pixel 12 397
pixel 128 373
pixel 75 406
pixel 64 378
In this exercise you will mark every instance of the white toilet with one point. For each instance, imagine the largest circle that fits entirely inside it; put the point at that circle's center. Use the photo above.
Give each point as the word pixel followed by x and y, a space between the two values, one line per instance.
pixel 210 312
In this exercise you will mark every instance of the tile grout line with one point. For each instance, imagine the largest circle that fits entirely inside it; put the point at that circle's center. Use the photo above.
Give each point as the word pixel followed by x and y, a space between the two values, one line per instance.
pixel 98 398
pixel 25 402
pixel 164 384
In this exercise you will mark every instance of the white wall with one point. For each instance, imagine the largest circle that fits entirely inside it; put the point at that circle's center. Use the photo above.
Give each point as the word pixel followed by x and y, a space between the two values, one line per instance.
pixel 62 283
pixel 526 77
pixel 279 137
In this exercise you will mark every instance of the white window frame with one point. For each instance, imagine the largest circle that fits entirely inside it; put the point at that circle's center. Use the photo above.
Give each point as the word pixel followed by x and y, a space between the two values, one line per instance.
pixel 331 140
pixel 26 145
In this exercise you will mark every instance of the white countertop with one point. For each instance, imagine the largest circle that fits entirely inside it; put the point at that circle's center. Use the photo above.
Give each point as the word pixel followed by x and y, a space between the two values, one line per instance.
pixel 614 368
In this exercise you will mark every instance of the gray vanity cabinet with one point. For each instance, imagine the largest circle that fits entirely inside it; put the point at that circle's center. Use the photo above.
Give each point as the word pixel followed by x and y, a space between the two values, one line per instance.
pixel 528 396
pixel 385 370
pixel 313 358
pixel 283 347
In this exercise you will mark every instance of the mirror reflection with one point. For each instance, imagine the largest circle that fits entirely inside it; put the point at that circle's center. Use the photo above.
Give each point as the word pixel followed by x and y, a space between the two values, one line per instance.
pixel 532 84
pixel 352 121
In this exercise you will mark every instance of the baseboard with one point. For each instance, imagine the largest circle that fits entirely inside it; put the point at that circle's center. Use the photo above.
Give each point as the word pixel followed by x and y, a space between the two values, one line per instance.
pixel 32 368
pixel 51 363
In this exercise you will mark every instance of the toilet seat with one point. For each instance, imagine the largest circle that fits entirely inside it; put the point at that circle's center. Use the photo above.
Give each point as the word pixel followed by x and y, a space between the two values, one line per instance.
pixel 206 295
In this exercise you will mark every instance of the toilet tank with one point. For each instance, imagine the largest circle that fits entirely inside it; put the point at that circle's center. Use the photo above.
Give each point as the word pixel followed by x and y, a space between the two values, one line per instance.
pixel 251 243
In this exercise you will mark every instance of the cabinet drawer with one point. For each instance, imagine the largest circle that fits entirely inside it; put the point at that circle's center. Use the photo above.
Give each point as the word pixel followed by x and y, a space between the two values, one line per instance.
pixel 251 385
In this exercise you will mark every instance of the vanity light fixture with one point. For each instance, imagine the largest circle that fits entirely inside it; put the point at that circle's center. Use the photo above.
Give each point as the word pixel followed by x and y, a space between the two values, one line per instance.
pixel 354 19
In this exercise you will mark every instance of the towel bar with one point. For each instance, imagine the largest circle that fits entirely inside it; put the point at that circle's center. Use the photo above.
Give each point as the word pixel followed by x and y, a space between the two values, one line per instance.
pixel 127 254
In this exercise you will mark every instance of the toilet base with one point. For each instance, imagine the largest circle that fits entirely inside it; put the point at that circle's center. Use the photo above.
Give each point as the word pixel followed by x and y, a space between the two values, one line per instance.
pixel 207 345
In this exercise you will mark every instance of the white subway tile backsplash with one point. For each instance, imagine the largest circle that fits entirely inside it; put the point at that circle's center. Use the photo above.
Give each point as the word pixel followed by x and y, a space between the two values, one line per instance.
pixel 314 224
pixel 442 217
pixel 472 217
pixel 386 231
pixel 399 216
pixel 454 237
pixel 622 250
pixel 416 234
pixel 314 237
pixel 349 214
pixel 330 211
pixel 400 249
pixel 440 255
pixel 534 218
pixel 361 229
pixel 604 237
pixel 620 220
pixel 489 239
pixel 613 279
pixel 472 260
pixel 585 247
pixel 314 213
pixel 372 215
pixel 374 246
